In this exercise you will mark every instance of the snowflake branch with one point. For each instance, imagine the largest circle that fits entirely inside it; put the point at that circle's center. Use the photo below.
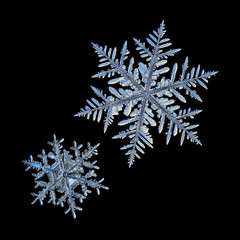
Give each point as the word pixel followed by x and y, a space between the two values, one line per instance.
pixel 155 56
pixel 44 192
pixel 108 104
pixel 118 66
pixel 173 119
pixel 182 83
pixel 139 126
pixel 86 155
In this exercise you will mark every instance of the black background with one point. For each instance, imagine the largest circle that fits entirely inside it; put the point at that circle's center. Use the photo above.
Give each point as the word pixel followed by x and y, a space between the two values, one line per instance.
pixel 171 189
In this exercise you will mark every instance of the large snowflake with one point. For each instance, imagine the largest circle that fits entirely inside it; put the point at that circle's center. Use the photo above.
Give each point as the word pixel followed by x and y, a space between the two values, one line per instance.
pixel 146 92
pixel 65 174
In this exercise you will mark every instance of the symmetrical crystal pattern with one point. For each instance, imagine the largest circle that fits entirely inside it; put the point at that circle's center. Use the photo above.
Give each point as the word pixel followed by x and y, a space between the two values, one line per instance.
pixel 147 94
pixel 65 174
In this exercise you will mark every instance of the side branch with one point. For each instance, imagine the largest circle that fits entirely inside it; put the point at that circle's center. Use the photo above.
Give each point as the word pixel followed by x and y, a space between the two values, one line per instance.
pixel 109 104
pixel 173 119
pixel 182 83
pixel 118 67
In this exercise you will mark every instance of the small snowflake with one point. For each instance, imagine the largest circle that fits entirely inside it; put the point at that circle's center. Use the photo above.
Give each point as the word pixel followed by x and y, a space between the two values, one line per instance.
pixel 65 174
pixel 146 92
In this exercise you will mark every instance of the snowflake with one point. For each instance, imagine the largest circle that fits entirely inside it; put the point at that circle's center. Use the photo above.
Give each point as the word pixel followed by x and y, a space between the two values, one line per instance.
pixel 65 174
pixel 146 92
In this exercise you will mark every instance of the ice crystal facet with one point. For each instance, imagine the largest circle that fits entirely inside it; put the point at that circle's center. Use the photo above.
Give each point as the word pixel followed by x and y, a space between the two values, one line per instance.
pixel 65 174
pixel 146 92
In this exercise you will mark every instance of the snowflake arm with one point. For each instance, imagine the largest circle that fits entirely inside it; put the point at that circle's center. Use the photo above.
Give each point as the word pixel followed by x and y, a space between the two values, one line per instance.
pixel 111 104
pixel 187 82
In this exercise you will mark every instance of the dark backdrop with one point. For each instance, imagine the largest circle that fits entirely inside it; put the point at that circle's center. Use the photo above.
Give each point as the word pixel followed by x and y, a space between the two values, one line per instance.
pixel 171 189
